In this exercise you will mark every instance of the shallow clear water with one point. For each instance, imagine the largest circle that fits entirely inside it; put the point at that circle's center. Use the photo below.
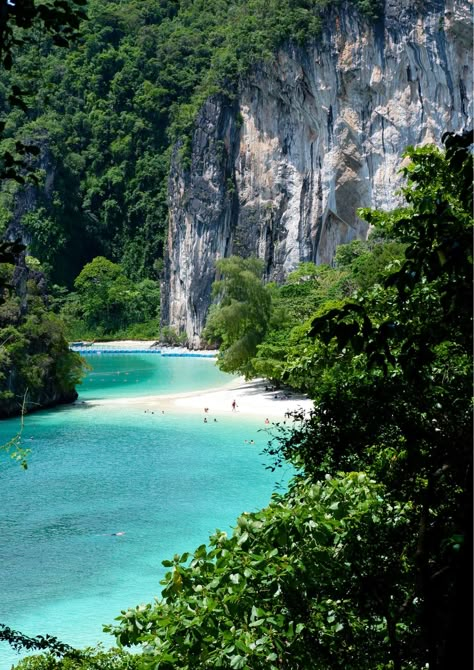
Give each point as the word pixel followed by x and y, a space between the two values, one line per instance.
pixel 166 481
pixel 115 375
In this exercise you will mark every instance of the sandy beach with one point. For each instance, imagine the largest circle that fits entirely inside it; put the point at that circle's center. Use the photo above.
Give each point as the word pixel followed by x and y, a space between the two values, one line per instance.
pixel 251 398
pixel 254 397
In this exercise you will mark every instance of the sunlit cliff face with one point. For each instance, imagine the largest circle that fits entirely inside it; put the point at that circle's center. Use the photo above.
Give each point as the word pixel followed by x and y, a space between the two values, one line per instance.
pixel 313 136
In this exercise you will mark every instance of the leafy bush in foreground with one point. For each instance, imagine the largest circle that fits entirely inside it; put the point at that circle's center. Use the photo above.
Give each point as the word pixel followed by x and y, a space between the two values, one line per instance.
pixel 87 659
pixel 297 586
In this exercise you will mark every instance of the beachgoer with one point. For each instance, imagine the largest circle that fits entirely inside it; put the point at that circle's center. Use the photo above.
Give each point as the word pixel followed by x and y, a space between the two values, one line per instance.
pixel 252 442
pixel 119 533
pixel 267 421
pixel 234 405
pixel 205 420
pixel 206 410
pixel 215 420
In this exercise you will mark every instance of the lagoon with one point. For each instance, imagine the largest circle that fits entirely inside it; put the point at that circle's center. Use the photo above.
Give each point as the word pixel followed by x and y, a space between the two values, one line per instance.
pixel 115 375
pixel 165 481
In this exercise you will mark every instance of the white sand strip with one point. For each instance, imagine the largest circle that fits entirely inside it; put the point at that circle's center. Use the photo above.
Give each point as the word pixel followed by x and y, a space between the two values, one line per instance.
pixel 251 398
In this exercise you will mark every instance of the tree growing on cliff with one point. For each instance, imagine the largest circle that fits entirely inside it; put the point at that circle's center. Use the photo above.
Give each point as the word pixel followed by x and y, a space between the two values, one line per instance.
pixel 239 320
pixel 36 365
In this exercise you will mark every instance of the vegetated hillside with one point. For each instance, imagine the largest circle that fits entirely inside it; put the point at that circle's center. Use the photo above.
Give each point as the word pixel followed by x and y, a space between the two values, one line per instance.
pixel 107 112
pixel 37 368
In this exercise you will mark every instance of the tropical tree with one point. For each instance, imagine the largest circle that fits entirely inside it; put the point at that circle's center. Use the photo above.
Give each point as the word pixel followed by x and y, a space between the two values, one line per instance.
pixel 240 318
pixel 108 301
pixel 85 659
pixel 96 285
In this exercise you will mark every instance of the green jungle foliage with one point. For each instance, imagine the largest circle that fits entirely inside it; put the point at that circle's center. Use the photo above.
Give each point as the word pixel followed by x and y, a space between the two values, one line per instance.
pixel 36 364
pixel 366 561
pixel 87 659
pixel 105 114
pixel 261 327
pixel 241 318
pixel 107 303
pixel 287 590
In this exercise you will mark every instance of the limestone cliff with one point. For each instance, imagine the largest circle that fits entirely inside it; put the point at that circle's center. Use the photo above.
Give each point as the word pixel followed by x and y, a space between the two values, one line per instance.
pixel 319 132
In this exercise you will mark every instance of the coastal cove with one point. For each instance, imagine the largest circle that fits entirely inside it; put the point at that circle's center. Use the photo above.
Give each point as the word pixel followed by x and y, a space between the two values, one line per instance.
pixel 117 462
pixel 236 335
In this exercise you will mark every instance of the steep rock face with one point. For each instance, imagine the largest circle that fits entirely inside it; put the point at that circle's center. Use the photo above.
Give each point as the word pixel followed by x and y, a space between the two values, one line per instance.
pixel 48 396
pixel 16 395
pixel 27 197
pixel 314 135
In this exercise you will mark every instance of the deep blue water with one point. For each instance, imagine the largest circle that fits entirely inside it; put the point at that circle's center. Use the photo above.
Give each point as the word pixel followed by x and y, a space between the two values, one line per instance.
pixel 166 481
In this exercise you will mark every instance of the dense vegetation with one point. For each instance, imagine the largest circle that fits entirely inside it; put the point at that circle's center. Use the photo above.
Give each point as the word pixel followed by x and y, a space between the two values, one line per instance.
pixel 87 659
pixel 262 329
pixel 107 303
pixel 36 366
pixel 106 115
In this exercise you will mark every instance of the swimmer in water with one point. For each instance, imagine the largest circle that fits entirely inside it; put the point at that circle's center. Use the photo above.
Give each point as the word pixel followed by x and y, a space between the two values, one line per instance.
pixel 122 532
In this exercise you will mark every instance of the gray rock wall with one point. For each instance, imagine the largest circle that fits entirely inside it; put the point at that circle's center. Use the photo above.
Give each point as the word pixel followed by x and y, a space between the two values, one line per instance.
pixel 313 136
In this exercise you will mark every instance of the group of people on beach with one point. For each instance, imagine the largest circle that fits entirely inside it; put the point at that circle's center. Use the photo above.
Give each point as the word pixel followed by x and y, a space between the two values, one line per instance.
pixel 206 410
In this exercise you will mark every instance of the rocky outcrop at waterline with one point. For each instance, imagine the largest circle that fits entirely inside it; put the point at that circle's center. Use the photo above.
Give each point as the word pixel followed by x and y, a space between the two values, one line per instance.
pixel 315 134
pixel 37 368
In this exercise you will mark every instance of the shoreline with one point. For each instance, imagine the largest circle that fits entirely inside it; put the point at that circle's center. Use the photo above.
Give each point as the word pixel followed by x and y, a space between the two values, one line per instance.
pixel 251 400
pixel 140 346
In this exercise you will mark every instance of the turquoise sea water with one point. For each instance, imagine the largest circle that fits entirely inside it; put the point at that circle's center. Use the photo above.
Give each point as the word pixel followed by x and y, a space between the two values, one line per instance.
pixel 115 375
pixel 166 481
